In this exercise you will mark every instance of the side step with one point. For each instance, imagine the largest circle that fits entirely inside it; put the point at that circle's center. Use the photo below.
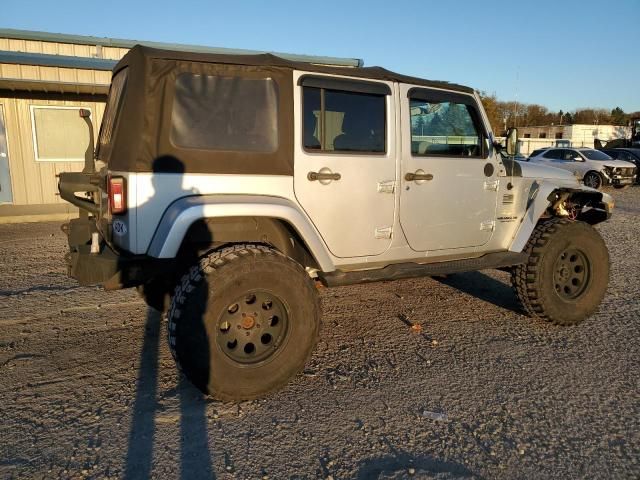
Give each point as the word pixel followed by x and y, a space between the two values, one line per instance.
pixel 411 270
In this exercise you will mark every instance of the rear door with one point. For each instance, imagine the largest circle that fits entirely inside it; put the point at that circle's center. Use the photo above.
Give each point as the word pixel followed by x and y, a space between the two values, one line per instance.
pixel 449 179
pixel 345 161
pixel 5 176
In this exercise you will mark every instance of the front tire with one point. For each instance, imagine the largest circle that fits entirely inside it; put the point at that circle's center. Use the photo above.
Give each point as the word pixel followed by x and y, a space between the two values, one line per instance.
pixel 566 275
pixel 243 322
pixel 593 180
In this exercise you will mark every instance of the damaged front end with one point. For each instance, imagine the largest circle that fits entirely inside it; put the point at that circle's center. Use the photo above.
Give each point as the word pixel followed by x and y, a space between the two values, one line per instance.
pixel 589 206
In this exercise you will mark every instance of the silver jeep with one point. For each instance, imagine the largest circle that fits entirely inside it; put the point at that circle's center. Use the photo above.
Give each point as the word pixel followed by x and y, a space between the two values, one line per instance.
pixel 225 188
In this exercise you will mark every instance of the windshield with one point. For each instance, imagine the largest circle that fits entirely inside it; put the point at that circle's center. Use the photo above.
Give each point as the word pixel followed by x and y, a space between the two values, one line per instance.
pixel 595 155
pixel 112 109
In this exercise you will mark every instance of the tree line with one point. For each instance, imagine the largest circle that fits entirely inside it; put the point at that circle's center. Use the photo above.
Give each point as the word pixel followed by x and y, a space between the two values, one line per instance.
pixel 509 114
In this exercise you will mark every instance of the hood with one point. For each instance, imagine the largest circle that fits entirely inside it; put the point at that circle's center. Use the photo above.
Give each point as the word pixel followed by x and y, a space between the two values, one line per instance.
pixel 536 170
pixel 616 163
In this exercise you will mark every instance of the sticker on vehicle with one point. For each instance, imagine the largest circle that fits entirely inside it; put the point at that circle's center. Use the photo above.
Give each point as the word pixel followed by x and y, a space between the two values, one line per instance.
pixel 119 228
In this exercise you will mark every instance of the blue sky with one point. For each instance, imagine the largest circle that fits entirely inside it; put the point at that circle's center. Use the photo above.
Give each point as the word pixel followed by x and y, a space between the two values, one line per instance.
pixel 562 54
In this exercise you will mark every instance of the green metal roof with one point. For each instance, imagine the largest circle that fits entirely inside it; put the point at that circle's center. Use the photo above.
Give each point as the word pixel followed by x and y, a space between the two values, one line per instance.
pixel 122 43
pixel 64 61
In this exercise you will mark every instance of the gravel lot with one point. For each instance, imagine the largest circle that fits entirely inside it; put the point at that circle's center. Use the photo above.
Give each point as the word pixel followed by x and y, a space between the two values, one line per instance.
pixel 89 388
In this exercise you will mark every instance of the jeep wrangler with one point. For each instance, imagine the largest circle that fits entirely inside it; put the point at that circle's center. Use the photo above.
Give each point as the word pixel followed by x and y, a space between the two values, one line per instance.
pixel 225 187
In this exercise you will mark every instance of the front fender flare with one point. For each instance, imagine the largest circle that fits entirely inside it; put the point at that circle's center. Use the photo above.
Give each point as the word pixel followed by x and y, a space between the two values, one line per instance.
pixel 537 207
pixel 182 213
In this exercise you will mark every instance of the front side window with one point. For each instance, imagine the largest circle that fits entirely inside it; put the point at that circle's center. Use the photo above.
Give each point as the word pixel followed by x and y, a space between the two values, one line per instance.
pixel 59 134
pixel 572 156
pixel 554 153
pixel 341 121
pixel 225 113
pixel 443 128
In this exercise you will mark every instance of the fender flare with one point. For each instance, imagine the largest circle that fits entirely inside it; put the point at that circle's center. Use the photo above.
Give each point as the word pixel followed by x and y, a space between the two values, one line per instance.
pixel 182 213
pixel 538 204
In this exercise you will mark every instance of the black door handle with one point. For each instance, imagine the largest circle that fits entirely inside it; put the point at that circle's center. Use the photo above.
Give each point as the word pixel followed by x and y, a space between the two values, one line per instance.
pixel 410 177
pixel 312 176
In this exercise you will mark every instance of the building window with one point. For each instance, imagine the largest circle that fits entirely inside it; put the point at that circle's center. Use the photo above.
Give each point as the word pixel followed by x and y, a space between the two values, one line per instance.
pixel 225 113
pixel 542 135
pixel 558 135
pixel 527 135
pixel 59 134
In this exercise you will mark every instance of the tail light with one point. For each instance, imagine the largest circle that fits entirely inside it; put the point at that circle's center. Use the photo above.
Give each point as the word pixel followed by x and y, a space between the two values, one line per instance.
pixel 117 195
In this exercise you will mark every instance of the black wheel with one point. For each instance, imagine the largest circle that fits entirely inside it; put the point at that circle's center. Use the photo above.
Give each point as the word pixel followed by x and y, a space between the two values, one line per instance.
pixel 567 273
pixel 593 180
pixel 243 322
pixel 620 187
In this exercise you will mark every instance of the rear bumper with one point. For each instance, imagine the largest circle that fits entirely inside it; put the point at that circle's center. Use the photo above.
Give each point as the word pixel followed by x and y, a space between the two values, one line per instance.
pixel 112 269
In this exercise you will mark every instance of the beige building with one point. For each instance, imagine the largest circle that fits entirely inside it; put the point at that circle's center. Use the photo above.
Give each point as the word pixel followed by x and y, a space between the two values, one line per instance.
pixel 44 80
pixel 579 135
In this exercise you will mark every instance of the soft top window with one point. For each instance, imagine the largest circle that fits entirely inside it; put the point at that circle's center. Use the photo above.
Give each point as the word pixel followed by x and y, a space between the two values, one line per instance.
pixel 112 110
pixel 230 113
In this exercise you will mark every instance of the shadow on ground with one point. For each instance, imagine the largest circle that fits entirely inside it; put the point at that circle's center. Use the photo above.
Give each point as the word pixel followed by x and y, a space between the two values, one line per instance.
pixel 402 465
pixel 484 287
pixel 195 458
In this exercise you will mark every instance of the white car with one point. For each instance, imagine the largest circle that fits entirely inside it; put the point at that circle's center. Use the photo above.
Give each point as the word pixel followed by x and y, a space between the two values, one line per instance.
pixel 593 167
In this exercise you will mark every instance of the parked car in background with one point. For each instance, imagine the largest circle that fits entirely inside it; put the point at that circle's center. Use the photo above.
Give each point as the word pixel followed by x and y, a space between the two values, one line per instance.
pixel 593 167
pixel 628 155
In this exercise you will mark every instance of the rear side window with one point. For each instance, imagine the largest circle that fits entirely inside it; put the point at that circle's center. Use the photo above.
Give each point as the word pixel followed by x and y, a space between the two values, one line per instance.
pixel 444 126
pixel 342 121
pixel 225 113
pixel 112 110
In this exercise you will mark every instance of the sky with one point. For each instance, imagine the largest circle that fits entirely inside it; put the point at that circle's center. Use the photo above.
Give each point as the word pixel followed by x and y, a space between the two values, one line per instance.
pixel 563 54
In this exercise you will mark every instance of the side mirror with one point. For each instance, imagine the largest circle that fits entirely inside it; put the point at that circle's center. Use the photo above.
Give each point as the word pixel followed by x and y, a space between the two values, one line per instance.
pixel 512 141
pixel 84 113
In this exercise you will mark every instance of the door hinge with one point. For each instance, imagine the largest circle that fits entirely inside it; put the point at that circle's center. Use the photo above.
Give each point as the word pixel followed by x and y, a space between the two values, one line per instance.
pixel 488 226
pixel 491 185
pixel 383 232
pixel 387 187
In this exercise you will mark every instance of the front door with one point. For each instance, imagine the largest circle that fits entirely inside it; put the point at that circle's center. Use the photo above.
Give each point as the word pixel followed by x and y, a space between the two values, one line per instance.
pixel 345 161
pixel 449 178
pixel 5 177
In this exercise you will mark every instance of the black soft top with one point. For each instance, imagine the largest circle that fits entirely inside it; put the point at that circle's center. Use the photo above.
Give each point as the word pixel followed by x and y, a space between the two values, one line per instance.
pixel 141 134
pixel 139 54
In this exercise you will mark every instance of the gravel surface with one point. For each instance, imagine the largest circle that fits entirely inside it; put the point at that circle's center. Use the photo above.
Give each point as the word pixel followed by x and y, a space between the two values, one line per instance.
pixel 89 388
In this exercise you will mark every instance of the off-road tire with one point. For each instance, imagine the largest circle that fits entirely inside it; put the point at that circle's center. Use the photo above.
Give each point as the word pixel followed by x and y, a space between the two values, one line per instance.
pixel 593 179
pixel 536 282
pixel 204 298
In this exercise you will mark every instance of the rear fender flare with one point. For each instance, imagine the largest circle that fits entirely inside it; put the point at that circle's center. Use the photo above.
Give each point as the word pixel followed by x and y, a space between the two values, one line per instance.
pixel 183 213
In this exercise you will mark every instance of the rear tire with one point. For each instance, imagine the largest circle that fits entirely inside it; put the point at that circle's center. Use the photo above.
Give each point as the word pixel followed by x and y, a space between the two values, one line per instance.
pixel 566 275
pixel 243 321
pixel 620 187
